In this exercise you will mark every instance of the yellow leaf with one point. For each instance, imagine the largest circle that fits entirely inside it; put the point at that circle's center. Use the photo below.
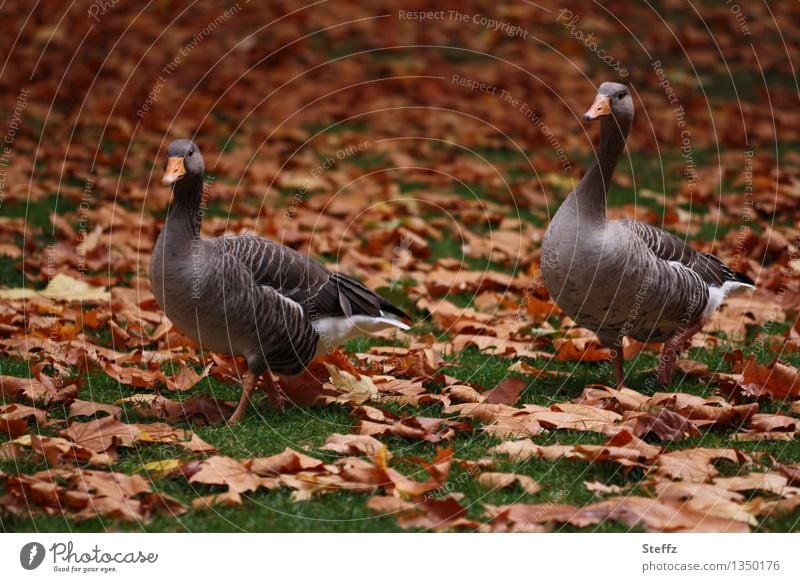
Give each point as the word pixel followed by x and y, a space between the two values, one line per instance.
pixel 362 389
pixel 60 288
pixel 24 440
pixel 161 466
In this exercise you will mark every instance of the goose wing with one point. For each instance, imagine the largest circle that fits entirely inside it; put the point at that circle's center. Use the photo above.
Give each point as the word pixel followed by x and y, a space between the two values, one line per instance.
pixel 668 247
pixel 304 280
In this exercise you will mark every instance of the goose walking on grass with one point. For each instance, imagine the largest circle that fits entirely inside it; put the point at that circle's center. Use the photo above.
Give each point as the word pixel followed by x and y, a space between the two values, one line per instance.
pixel 623 277
pixel 251 297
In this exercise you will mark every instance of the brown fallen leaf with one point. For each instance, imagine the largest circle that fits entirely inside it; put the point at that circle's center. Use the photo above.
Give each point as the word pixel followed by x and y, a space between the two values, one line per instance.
pixel 515 427
pixel 378 422
pixel 664 424
pixel 618 400
pixel 198 408
pixel 105 434
pixel 288 461
pixel 707 499
pixel 351 444
pixel 506 392
pixel 91 408
pixel 521 517
pixel 399 484
pixel 221 470
pixel 654 516
pixel 87 494
pixel 772 482
pixel 492 480
pixel 696 464
pixel 623 448
pixel 58 451
pixel 704 411
pixel 464 393
pixel 42 389
pixel 778 380
pixel 14 418
pixel 774 422
pixel 581 350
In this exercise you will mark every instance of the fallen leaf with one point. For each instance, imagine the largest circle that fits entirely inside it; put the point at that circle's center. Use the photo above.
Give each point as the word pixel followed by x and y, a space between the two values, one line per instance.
pixel 505 480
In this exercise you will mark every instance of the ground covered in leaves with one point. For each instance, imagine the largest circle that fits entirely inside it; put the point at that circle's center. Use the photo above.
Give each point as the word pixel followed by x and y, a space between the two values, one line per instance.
pixel 347 131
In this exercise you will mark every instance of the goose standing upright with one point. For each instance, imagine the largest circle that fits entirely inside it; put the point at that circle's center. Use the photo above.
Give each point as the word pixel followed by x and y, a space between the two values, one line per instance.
pixel 623 277
pixel 249 296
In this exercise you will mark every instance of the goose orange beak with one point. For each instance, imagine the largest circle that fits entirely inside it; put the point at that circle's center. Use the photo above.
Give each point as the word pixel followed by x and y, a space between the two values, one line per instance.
pixel 175 169
pixel 600 108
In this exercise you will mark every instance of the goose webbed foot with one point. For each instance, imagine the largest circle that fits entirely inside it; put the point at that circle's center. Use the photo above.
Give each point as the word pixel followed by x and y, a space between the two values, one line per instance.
pixel 672 347
pixel 277 398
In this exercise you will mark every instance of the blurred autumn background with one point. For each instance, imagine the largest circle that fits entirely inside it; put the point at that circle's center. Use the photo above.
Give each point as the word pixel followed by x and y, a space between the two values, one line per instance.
pixel 424 155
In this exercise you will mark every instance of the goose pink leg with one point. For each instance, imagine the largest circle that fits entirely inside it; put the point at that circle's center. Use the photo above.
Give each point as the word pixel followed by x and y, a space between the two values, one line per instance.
pixel 672 347
pixel 248 387
pixel 249 382
pixel 618 359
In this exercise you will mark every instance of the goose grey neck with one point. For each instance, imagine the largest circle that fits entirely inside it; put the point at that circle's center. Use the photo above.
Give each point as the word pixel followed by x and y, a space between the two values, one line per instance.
pixel 593 188
pixel 186 214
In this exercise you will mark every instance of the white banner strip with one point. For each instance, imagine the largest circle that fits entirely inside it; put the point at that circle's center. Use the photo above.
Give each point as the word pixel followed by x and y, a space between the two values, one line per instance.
pixel 379 557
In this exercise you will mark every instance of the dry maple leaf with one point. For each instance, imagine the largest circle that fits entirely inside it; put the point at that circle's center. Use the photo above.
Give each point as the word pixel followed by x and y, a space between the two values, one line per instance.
pixel 492 480
pixel 774 422
pixel 14 418
pixel 777 380
pixel 521 517
pixel 507 427
pixel 696 464
pixel 91 408
pixel 433 513
pixel 581 350
pixel 708 499
pixel 59 451
pixel 378 422
pixel 664 424
pixel 288 461
pixel 655 516
pixel 402 485
pixel 105 434
pixel 623 448
pixel 773 482
pixel 506 392
pixel 87 494
pixel 220 470
pixel 202 408
pixel 351 444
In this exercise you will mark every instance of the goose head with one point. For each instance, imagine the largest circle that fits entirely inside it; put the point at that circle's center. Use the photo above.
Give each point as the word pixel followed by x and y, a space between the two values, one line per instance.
pixel 183 160
pixel 613 100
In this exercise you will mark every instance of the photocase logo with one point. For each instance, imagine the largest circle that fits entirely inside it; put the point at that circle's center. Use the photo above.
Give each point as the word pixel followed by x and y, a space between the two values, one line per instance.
pixel 31 555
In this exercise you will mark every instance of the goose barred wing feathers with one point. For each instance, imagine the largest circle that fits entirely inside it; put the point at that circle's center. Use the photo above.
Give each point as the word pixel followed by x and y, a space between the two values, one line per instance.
pixel 303 280
pixel 669 247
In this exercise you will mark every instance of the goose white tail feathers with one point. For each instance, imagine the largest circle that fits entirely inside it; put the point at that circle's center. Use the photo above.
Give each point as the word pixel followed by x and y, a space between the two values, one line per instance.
pixel 718 294
pixel 333 331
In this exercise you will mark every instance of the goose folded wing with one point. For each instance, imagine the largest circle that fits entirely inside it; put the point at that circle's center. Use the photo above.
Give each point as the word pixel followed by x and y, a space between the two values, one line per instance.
pixel 668 247
pixel 305 281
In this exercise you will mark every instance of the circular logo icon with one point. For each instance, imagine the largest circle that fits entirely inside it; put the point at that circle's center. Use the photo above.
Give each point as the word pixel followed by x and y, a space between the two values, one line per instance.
pixel 31 555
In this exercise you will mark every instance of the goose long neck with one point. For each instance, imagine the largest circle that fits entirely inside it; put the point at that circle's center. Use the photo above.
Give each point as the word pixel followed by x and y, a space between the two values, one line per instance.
pixel 593 188
pixel 186 215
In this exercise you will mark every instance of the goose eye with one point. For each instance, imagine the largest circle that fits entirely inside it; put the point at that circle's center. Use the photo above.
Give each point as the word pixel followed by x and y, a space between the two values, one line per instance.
pixel 621 96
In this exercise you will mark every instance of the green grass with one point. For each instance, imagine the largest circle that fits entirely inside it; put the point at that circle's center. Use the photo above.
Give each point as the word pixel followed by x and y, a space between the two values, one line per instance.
pixel 265 431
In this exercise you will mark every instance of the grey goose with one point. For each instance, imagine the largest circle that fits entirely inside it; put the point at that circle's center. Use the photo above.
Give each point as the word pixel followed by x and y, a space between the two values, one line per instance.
pixel 623 277
pixel 252 297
